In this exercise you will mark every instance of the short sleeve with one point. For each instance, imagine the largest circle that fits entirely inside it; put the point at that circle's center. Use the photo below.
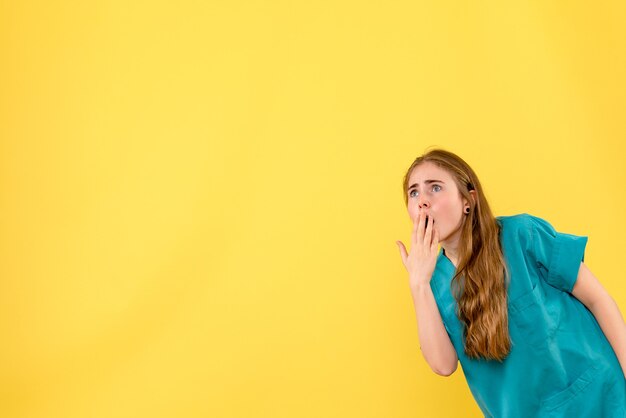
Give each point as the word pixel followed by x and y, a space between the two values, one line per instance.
pixel 557 254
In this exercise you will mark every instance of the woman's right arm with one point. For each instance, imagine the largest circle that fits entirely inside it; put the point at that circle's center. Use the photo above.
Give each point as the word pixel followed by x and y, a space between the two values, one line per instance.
pixel 435 343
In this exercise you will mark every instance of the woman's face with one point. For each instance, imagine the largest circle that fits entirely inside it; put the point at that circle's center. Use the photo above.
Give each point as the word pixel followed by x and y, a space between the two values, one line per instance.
pixel 431 190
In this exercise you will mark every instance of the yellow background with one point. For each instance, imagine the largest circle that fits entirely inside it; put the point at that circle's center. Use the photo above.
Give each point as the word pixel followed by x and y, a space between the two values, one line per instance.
pixel 200 200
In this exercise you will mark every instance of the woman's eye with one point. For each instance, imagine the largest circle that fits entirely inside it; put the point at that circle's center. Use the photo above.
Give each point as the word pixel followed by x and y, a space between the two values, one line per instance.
pixel 438 188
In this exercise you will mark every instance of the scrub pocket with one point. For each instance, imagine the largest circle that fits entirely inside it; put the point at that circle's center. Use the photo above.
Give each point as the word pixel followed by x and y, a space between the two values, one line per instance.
pixel 535 320
pixel 582 398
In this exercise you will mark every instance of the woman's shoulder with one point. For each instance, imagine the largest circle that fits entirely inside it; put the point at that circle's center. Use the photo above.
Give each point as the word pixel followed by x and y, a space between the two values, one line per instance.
pixel 519 224
pixel 517 220
pixel 520 219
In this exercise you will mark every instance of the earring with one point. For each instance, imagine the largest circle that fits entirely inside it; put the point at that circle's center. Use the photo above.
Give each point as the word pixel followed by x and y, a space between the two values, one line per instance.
pixel 467 210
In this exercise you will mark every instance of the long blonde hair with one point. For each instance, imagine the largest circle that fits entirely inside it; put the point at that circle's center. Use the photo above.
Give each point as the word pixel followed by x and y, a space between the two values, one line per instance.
pixel 481 279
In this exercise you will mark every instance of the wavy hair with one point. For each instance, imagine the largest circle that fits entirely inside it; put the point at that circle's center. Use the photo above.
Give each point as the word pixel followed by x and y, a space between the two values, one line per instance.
pixel 481 279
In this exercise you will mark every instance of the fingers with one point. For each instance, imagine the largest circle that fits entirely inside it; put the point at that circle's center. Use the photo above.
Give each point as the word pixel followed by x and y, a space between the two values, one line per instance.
pixel 435 242
pixel 420 227
pixel 414 233
pixel 428 235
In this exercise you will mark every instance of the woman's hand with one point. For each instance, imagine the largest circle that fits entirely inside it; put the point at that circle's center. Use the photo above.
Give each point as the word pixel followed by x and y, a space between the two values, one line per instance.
pixel 420 262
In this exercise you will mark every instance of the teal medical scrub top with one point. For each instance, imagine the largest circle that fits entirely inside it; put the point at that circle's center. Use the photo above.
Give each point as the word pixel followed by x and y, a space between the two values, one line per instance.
pixel 560 363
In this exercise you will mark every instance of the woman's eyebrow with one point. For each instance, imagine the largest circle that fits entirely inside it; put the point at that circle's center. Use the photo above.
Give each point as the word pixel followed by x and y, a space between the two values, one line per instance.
pixel 425 182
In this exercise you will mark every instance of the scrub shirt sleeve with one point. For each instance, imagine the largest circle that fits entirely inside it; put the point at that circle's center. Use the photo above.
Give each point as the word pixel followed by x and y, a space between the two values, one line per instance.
pixel 558 255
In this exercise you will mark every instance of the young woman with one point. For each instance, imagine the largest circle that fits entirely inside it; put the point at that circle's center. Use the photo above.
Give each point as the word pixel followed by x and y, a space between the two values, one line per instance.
pixel 511 299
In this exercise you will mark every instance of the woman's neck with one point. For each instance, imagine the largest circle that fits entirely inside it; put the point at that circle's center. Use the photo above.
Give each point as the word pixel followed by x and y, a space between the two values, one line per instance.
pixel 450 251
pixel 450 247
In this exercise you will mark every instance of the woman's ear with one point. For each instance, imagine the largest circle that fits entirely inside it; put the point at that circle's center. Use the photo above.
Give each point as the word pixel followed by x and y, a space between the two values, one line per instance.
pixel 473 196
